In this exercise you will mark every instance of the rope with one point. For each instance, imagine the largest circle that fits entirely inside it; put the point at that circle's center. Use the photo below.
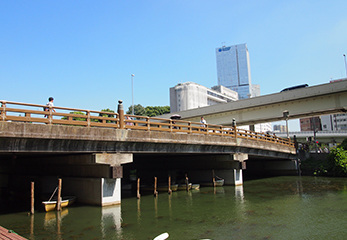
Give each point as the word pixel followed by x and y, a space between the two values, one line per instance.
pixel 218 177
pixel 53 194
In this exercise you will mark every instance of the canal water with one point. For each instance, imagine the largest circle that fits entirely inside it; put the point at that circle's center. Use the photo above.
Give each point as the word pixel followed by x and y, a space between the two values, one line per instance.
pixel 271 208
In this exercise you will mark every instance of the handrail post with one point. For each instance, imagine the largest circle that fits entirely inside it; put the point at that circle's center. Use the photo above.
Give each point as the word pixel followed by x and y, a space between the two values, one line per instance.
pixel 88 118
pixel 50 117
pixel 148 124
pixel 3 112
pixel 190 127
pixel 121 114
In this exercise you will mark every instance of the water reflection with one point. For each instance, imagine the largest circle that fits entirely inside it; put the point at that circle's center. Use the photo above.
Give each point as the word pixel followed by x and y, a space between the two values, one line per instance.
pixel 111 217
pixel 239 195
pixel 274 208
pixel 53 218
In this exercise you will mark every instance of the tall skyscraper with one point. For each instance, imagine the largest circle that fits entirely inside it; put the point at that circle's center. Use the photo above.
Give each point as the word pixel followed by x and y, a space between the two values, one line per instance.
pixel 233 70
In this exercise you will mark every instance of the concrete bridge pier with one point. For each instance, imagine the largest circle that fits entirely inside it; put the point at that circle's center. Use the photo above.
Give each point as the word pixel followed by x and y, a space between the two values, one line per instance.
pixel 104 190
pixel 227 167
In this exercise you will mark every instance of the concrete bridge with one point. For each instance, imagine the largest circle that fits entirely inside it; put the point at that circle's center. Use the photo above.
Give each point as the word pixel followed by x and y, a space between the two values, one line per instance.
pixel 95 150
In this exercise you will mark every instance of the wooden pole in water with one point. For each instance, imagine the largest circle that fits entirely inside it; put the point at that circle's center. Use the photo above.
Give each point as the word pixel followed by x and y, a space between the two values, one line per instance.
pixel 187 184
pixel 213 179
pixel 169 185
pixel 59 195
pixel 138 188
pixel 32 199
pixel 155 187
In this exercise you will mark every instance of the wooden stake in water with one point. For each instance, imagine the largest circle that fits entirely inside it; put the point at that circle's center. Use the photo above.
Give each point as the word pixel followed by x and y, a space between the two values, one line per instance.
pixel 155 187
pixel 213 179
pixel 187 183
pixel 32 198
pixel 59 195
pixel 169 185
pixel 138 188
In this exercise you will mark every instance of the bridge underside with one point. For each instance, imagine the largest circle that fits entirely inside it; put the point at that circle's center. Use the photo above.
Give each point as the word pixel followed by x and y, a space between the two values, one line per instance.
pixel 93 161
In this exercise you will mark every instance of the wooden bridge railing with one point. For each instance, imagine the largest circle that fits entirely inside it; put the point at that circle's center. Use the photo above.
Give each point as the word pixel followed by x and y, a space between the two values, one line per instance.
pixel 34 113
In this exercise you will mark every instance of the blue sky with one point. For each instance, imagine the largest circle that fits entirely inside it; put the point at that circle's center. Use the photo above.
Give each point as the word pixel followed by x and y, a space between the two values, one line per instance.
pixel 83 52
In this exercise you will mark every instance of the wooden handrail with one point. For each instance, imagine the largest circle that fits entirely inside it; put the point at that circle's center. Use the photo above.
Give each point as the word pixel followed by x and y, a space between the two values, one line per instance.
pixel 13 111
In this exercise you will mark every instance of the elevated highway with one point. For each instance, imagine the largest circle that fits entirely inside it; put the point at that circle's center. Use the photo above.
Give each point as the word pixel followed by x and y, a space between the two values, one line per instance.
pixel 316 100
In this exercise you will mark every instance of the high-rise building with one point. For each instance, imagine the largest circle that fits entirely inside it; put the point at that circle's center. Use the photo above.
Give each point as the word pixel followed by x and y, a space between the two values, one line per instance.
pixel 233 69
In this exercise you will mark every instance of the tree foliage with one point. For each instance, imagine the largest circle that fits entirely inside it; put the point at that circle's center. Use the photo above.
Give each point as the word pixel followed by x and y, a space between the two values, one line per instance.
pixel 107 115
pixel 334 165
pixel 337 161
pixel 149 110
pixel 77 118
pixel 156 111
pixel 138 110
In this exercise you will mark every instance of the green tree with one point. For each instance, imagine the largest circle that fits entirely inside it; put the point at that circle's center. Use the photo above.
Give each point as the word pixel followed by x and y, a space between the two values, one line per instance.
pixel 157 110
pixel 138 110
pixel 149 110
pixel 337 162
pixel 77 118
pixel 107 115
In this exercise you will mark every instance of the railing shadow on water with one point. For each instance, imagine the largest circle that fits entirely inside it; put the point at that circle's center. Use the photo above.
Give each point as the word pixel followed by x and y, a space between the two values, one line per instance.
pixel 42 114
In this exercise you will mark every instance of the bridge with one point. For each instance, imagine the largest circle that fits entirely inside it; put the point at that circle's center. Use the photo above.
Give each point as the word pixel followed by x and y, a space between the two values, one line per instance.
pixel 316 100
pixel 93 150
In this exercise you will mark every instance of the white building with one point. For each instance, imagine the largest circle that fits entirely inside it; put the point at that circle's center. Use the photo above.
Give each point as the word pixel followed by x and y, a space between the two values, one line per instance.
pixel 334 122
pixel 191 95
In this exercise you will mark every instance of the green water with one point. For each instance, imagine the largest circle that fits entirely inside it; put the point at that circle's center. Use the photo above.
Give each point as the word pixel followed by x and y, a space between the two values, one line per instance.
pixel 272 208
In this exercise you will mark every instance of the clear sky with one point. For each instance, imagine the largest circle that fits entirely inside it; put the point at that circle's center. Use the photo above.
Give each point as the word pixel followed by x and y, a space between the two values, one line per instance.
pixel 83 52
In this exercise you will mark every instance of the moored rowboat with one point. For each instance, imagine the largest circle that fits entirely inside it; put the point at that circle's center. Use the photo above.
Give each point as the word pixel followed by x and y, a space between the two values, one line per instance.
pixel 51 205
pixel 184 187
pixel 160 188
pixel 219 183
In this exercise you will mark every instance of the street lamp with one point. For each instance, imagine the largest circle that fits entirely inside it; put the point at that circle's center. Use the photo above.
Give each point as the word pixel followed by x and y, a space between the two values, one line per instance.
pixel 344 55
pixel 286 115
pixel 132 91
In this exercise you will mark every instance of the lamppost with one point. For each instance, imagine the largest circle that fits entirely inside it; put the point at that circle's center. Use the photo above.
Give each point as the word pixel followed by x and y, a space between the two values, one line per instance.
pixel 286 115
pixel 344 55
pixel 132 92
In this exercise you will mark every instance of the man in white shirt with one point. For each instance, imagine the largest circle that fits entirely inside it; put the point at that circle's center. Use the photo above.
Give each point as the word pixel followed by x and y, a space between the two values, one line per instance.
pixel 50 104
pixel 203 123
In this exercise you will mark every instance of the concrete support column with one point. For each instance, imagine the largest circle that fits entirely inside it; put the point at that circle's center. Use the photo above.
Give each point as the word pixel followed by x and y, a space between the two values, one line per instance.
pixel 102 191
pixel 241 158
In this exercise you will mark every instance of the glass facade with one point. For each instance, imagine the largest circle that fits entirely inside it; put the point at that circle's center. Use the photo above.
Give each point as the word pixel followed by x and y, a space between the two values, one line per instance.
pixel 233 69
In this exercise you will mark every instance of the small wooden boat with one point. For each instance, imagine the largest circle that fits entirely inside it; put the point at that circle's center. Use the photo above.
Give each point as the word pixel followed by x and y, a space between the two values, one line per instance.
pixel 184 186
pixel 219 183
pixel 52 204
